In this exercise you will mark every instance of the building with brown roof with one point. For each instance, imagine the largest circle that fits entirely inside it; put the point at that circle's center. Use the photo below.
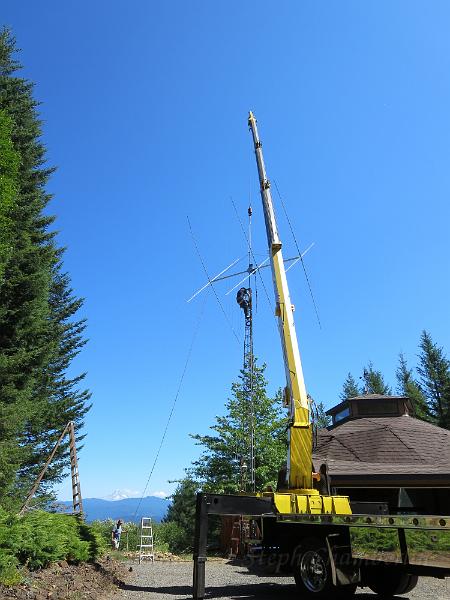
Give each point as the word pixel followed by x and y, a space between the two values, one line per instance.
pixel 375 450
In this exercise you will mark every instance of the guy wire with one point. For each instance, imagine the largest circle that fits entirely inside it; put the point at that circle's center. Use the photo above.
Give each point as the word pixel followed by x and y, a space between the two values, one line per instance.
pixel 210 282
pixel 300 254
pixel 197 327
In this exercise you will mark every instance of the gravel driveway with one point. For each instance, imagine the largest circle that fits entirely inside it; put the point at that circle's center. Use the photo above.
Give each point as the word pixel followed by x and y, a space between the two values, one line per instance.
pixel 226 581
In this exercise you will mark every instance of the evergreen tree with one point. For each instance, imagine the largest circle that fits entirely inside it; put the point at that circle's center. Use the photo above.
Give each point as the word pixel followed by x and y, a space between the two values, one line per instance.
pixel 374 381
pixel 223 465
pixel 9 169
pixel 37 342
pixel 182 511
pixel 434 370
pixel 319 417
pixel 350 389
pixel 58 398
pixel 407 386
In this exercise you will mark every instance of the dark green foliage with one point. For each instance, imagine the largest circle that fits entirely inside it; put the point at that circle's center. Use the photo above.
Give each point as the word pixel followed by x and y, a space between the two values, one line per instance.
pixel 371 540
pixel 38 336
pixel 319 417
pixel 167 536
pixel 130 532
pixel 434 371
pixel 58 399
pixel 374 540
pixel 40 538
pixel 374 381
pixel 173 538
pixel 9 168
pixel 219 469
pixel 350 389
pixel 429 395
pixel 408 386
pixel 182 513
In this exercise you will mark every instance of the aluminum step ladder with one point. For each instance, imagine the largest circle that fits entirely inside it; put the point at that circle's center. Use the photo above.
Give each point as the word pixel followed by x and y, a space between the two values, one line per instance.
pixel 146 541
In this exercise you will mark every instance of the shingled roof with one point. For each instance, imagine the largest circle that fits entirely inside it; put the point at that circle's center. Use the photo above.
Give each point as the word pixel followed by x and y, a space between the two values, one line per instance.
pixel 400 451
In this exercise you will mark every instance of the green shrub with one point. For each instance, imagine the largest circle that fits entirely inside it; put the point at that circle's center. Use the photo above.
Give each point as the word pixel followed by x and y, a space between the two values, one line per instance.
pixel 40 538
pixel 173 537
pixel 167 537
pixel 9 572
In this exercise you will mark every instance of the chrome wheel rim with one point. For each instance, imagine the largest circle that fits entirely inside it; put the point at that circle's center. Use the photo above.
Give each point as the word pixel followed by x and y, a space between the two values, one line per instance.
pixel 313 571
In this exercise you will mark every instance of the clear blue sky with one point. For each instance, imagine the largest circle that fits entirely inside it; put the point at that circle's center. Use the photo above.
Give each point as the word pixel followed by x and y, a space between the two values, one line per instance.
pixel 145 106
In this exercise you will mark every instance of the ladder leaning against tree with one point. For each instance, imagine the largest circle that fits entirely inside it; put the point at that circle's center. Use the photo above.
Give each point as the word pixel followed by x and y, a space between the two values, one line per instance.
pixel 76 488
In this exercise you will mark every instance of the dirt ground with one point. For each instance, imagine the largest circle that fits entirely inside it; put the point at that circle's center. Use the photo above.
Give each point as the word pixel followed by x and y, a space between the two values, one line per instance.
pixel 62 581
pixel 172 580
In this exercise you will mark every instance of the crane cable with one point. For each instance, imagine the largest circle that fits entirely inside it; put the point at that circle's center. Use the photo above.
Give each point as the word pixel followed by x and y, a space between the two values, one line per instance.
pixel 211 284
pixel 253 256
pixel 194 336
pixel 300 254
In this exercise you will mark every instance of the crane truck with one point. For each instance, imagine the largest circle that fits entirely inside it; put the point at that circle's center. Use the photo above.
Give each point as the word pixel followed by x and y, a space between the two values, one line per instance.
pixel 330 544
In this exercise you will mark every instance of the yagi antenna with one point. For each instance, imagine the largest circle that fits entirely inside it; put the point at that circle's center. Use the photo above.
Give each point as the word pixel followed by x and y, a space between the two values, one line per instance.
pixel 252 269
pixel 249 273
pixel 216 278
pixel 294 260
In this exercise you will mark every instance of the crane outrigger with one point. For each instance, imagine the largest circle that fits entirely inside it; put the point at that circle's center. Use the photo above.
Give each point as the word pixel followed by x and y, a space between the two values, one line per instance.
pixel 316 535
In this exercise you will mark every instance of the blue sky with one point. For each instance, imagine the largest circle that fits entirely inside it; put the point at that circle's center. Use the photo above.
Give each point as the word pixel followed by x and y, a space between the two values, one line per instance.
pixel 145 114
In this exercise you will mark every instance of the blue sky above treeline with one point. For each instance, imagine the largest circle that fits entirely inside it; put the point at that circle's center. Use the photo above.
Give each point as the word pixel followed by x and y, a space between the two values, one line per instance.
pixel 144 109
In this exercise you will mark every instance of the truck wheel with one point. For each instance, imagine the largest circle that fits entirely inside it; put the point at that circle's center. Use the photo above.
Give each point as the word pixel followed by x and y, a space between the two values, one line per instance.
pixel 392 582
pixel 312 573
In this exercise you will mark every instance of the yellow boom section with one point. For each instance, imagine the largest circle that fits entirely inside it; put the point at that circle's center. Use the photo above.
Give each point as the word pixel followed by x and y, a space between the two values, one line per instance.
pixel 299 465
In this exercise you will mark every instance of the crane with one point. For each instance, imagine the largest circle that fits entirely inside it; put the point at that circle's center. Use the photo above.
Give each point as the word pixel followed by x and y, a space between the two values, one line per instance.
pixel 299 477
pixel 299 460
pixel 317 536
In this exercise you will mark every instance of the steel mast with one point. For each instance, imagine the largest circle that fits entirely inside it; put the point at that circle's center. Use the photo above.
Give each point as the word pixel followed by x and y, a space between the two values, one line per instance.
pixel 299 462
pixel 245 301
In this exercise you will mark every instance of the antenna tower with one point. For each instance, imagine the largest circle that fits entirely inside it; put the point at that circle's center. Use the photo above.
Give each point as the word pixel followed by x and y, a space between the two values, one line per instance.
pixel 244 299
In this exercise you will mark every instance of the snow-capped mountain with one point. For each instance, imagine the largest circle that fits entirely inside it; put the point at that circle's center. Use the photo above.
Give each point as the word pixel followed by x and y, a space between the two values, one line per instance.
pixel 127 509
pixel 122 494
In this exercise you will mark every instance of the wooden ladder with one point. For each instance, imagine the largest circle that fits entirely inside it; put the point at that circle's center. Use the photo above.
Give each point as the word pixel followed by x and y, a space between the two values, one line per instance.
pixel 76 488
pixel 77 500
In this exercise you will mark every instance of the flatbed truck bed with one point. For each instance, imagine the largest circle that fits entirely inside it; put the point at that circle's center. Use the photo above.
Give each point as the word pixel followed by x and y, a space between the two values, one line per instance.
pixel 384 552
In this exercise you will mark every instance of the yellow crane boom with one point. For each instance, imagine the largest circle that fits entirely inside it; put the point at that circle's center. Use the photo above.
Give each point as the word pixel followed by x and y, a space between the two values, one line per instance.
pixel 299 462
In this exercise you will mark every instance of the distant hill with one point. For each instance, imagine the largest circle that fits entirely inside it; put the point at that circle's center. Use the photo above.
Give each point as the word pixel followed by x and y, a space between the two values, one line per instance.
pixel 98 509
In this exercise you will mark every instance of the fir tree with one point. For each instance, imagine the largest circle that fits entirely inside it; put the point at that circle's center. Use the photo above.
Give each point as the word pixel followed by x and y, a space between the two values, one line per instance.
pixel 319 417
pixel 408 386
pixel 58 399
pixel 182 511
pixel 224 463
pixel 350 389
pixel 434 370
pixel 374 381
pixel 37 343
pixel 9 169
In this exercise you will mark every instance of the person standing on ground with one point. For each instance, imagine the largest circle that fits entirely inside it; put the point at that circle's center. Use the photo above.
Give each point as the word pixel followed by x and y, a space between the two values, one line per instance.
pixel 115 534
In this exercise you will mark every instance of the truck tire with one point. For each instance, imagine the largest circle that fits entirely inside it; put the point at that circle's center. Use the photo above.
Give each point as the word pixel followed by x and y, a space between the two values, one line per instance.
pixel 392 582
pixel 312 573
